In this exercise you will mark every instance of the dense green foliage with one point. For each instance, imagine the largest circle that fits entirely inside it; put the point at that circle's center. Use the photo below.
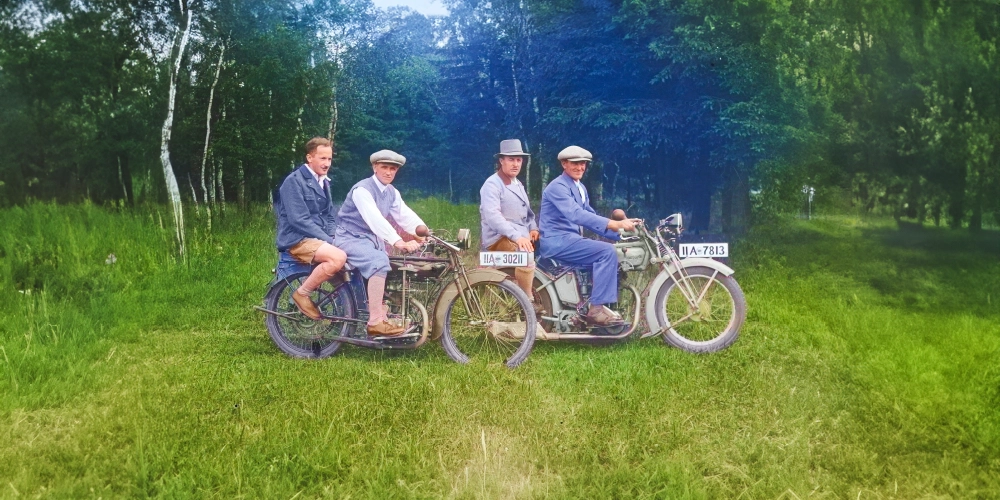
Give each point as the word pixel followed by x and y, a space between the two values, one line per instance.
pixel 712 107
pixel 866 367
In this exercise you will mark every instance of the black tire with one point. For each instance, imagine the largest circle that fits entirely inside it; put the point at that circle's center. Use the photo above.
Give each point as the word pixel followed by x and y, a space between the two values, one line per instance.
pixel 715 325
pixel 490 333
pixel 299 336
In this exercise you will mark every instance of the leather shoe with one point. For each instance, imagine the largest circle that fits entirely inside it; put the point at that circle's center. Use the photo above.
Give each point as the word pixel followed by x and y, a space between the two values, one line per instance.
pixel 385 329
pixel 306 306
pixel 602 316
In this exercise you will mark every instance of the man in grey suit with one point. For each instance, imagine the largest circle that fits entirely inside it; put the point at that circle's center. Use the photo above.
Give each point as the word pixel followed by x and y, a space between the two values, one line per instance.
pixel 507 222
pixel 565 209
pixel 306 220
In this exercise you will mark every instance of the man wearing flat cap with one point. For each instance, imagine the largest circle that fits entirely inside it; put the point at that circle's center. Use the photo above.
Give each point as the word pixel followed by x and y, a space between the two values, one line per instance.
pixel 306 221
pixel 565 210
pixel 507 222
pixel 364 230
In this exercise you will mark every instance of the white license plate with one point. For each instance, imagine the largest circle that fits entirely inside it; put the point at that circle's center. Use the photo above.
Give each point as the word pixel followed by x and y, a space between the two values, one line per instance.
pixel 703 250
pixel 506 259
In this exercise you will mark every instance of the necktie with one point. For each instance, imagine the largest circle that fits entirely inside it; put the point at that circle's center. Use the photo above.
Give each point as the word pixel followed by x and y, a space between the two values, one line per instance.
pixel 326 188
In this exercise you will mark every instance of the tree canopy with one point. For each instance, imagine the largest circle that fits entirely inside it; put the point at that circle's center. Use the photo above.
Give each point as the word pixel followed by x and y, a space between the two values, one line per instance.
pixel 721 109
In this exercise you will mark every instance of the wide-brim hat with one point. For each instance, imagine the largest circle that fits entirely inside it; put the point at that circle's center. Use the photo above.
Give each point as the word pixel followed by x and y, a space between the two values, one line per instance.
pixel 575 153
pixel 387 156
pixel 510 147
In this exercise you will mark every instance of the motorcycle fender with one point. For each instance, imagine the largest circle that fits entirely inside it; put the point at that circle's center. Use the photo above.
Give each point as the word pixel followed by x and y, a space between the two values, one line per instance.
pixel 662 278
pixel 451 291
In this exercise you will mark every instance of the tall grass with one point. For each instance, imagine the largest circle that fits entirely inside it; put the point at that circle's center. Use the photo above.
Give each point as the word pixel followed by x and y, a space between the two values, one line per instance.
pixel 867 367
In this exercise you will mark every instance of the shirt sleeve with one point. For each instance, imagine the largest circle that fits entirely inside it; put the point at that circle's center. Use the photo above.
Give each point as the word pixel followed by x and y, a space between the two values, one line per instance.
pixel 532 218
pixel 404 216
pixel 369 212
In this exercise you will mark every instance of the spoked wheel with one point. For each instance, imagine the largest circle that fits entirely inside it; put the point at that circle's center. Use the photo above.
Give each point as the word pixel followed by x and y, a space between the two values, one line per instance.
pixel 491 322
pixel 299 336
pixel 704 317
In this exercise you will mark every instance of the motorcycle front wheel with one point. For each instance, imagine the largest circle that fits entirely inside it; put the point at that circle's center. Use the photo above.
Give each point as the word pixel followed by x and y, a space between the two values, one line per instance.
pixel 490 322
pixel 706 315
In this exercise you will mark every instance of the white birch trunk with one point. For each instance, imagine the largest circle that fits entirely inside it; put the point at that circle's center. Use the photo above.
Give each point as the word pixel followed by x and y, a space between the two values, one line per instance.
pixel 333 116
pixel 222 188
pixel 194 196
pixel 168 171
pixel 208 135
pixel 121 180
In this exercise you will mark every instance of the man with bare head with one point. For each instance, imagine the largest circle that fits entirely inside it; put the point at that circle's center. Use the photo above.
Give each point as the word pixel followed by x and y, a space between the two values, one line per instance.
pixel 306 221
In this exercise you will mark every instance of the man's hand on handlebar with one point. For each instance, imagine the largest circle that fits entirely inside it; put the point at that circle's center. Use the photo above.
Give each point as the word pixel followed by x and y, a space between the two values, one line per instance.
pixel 626 224
pixel 407 246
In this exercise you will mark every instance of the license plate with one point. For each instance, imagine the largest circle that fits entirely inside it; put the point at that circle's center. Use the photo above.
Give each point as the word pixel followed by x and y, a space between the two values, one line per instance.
pixel 703 250
pixel 506 259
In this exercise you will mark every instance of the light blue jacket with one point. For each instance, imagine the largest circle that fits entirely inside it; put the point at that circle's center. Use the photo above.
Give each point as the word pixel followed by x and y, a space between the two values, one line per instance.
pixel 504 210
pixel 563 213
pixel 303 210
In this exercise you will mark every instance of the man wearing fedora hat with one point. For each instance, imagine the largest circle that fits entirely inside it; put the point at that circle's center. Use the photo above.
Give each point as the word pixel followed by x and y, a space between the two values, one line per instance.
pixel 507 222
pixel 365 228
pixel 565 211
pixel 306 221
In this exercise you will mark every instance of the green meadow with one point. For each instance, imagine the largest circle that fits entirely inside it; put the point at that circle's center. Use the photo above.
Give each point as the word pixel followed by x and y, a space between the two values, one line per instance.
pixel 867 368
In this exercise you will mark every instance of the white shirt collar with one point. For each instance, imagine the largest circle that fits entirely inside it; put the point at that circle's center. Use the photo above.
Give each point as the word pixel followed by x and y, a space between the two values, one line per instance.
pixel 319 178
pixel 513 180
pixel 381 187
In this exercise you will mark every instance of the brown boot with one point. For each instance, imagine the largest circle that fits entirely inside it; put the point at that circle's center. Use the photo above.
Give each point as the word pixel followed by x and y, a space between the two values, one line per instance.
pixel 306 306
pixel 602 316
pixel 384 329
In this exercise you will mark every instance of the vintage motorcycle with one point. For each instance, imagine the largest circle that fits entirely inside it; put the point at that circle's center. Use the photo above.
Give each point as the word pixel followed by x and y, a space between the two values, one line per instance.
pixel 478 314
pixel 694 303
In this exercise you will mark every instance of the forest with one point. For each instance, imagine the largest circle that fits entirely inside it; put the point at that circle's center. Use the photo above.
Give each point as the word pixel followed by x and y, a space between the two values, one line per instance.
pixel 726 110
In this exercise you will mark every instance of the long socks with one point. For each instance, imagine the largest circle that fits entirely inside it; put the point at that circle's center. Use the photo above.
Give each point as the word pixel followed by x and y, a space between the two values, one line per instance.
pixel 376 291
pixel 524 277
pixel 322 272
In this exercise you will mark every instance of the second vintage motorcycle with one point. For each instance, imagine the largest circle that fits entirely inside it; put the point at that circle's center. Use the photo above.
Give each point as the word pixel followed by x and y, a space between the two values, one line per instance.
pixel 693 303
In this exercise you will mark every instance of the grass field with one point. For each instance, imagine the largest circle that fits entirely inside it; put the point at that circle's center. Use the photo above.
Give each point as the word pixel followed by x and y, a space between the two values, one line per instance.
pixel 868 368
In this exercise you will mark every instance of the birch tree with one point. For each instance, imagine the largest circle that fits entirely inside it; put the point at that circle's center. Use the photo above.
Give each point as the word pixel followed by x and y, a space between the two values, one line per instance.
pixel 168 171
pixel 208 133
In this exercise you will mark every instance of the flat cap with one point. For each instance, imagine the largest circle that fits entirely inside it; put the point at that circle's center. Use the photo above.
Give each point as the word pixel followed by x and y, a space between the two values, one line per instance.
pixel 387 156
pixel 575 153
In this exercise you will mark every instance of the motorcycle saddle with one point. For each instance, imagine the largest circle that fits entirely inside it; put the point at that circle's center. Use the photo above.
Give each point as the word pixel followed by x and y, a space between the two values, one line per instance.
pixel 552 267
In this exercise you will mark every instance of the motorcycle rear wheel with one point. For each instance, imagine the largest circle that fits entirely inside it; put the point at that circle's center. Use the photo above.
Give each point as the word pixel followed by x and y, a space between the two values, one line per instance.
pixel 294 333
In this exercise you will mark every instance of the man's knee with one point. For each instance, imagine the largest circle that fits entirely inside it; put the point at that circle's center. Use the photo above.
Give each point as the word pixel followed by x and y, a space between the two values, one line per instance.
pixel 328 268
pixel 331 254
pixel 608 252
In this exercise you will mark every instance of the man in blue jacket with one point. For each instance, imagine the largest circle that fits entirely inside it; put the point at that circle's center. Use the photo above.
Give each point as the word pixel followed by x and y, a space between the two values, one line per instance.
pixel 565 211
pixel 306 220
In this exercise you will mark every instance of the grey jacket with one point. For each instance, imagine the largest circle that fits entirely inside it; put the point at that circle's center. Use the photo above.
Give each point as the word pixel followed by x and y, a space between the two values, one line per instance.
pixel 504 211
pixel 303 210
